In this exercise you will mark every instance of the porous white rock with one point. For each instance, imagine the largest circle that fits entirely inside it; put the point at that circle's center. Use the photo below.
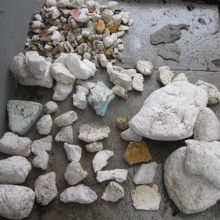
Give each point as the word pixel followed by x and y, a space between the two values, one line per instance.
pixel 94 147
pixel 125 17
pixel 145 173
pixel 61 74
pixel 113 192
pixel 146 197
pixel 78 68
pixel 173 106
pixel 73 152
pixel 207 126
pixel 103 60
pixel 81 194
pixel 52 29
pixel 180 77
pixel 120 91
pixel 56 36
pixel 120 175
pixel 36 64
pixel 100 160
pixel 61 91
pixel 51 107
pixel 66 119
pixel 55 13
pixel 44 125
pixel 190 193
pixel 36 24
pixel 14 145
pixel 83 17
pixel 41 160
pixel 138 82
pixel 23 115
pixel 144 67
pixel 123 28
pixel 61 58
pixel 79 100
pixel 203 159
pixel 108 41
pixel 213 93
pixel 19 67
pixel 88 85
pixel 45 188
pixel 82 89
pixel 65 135
pixel 74 173
pixel 106 15
pixel 43 144
pixel 14 170
pixel 64 3
pixel 16 201
pixel 92 132
pixel 130 135
pixel 99 96
pixel 91 65
pixel 165 75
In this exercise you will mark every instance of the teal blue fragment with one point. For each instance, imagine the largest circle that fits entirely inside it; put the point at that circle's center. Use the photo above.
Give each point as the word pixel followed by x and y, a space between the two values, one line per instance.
pixel 102 110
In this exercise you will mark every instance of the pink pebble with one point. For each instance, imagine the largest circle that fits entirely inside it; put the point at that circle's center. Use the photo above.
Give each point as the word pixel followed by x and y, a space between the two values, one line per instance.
pixel 75 13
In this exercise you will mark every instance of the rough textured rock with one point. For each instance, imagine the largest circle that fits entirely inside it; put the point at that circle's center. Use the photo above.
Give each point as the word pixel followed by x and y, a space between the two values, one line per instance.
pixel 113 192
pixel 165 75
pixel 81 194
pixel 180 77
pixel 168 34
pixel 73 152
pixel 120 175
pixel 169 51
pixel 14 145
pixel 144 67
pixel 79 100
pixel 101 159
pixel 41 160
pixel 14 170
pixel 61 91
pixel 45 188
pixel 207 126
pixel 175 105
pixel 64 3
pixel 130 135
pixel 66 119
pixel 145 173
pixel 122 123
pixel 213 93
pixel 74 173
pixel 138 82
pixel 22 115
pixel 146 197
pixel 43 144
pixel 120 91
pixel 92 132
pixel 191 193
pixel 94 147
pixel 88 85
pixel 137 152
pixel 16 201
pixel 51 107
pixel 44 125
pixel 65 135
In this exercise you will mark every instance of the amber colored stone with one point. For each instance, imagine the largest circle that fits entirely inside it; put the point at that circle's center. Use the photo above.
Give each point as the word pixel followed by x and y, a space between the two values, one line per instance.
pixel 109 51
pixel 44 33
pixel 61 48
pixel 137 152
pixel 122 123
pixel 82 40
pixel 100 27
pixel 91 10
pixel 113 28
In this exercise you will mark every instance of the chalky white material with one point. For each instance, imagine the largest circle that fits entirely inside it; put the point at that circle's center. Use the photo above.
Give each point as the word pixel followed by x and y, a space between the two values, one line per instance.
pixel 66 119
pixel 73 152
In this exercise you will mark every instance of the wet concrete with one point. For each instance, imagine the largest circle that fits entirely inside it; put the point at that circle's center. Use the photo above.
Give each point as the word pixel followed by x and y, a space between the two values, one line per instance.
pixel 202 45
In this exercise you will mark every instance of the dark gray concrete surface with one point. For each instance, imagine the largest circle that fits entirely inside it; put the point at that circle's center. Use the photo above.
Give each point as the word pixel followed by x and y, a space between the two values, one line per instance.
pixel 137 47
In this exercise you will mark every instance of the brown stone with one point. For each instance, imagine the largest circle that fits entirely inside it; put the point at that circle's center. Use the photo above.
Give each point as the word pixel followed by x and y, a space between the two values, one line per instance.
pixel 44 33
pixel 122 123
pixel 137 152
pixel 113 28
pixel 82 40
pixel 100 27
pixel 109 51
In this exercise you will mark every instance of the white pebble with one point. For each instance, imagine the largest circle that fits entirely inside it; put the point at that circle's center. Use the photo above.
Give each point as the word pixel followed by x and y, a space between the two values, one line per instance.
pixel 73 152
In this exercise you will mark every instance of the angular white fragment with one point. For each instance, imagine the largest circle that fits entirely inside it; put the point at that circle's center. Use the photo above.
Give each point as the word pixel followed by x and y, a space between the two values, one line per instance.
pixel 44 125
pixel 16 201
pixel 113 192
pixel 55 13
pixel 52 29
pixel 82 89
pixel 144 67
pixel 130 135
pixel 101 159
pixel 14 170
pixel 108 41
pixel 79 100
pixel 213 92
pixel 43 144
pixel 51 107
pixel 92 132
pixel 180 77
pixel 61 74
pixel 145 173
pixel 106 15
pixel 74 173
pixel 12 144
pixel 41 160
pixel 125 17
pixel 165 75
pixel 66 119
pixel 91 65
pixel 123 28
pixel 73 152
pixel 65 135
pixel 120 91
pixel 81 194
pixel 83 17
pixel 61 91
pixel 94 147
pixel 207 126
pixel 137 83
pixel 56 36
pixel 45 188
pixel 103 60
pixel 120 175
pixel 146 197
pixel 88 85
